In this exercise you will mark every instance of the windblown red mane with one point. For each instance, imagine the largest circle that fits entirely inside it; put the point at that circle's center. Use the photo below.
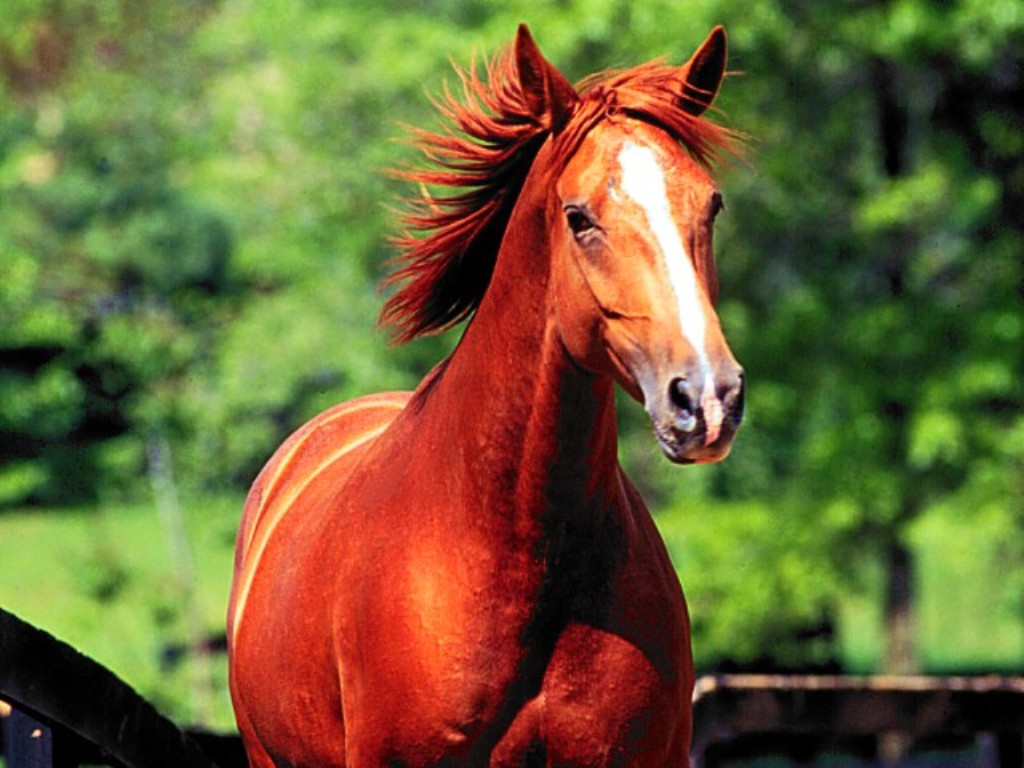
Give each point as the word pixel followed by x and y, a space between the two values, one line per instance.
pixel 449 244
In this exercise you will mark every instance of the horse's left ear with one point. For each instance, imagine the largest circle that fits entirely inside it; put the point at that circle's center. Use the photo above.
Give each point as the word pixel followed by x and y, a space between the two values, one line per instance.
pixel 703 73
pixel 549 96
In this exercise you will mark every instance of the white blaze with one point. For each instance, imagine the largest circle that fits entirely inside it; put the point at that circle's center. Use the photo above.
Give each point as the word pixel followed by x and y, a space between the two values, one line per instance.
pixel 644 182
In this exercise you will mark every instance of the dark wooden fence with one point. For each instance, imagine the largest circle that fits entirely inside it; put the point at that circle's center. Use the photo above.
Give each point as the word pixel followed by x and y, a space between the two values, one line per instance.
pixel 67 710
pixel 64 710
pixel 890 721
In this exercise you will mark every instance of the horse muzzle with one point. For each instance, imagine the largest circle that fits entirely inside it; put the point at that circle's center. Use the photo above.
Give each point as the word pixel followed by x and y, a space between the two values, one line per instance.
pixel 696 415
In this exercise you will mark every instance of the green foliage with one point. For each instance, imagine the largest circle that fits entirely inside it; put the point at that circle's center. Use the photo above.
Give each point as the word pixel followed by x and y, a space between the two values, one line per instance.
pixel 116 270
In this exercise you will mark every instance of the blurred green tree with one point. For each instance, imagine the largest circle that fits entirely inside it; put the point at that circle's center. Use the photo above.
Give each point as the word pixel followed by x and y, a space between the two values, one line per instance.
pixel 113 273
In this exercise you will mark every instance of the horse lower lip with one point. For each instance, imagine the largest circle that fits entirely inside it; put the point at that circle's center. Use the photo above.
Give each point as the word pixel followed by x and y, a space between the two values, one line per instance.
pixel 676 454
pixel 677 444
pixel 692 447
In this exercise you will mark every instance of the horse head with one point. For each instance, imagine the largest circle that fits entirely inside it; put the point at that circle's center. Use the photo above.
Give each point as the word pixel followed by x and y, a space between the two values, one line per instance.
pixel 631 246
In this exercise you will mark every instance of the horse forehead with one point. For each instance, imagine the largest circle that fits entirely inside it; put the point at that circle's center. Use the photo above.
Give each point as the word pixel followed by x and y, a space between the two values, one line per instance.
pixel 599 164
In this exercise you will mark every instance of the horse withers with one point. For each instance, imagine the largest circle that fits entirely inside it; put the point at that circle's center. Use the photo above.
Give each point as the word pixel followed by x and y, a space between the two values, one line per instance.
pixel 464 575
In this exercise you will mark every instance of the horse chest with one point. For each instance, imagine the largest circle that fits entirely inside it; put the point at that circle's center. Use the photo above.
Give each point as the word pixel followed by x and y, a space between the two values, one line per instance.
pixel 570 658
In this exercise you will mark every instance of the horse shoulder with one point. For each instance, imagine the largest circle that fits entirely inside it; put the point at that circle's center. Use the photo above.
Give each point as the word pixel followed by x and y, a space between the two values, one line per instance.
pixel 273 599
pixel 309 464
pixel 315 447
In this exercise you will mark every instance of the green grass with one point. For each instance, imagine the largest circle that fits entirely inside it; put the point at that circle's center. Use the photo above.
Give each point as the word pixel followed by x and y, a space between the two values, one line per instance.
pixel 968 614
pixel 105 581
pixel 970 608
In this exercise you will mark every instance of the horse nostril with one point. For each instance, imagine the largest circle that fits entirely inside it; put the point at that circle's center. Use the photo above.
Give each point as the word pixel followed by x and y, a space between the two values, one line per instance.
pixel 735 399
pixel 681 394
pixel 741 397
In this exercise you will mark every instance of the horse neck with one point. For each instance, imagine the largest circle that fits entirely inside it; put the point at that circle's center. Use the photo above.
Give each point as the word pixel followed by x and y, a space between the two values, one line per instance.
pixel 541 430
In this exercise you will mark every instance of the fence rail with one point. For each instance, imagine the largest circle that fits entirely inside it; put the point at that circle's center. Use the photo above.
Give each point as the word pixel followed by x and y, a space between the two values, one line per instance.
pixel 68 710
pixel 878 718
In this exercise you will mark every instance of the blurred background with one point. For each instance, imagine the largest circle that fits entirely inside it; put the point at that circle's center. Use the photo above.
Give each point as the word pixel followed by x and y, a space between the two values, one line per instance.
pixel 194 211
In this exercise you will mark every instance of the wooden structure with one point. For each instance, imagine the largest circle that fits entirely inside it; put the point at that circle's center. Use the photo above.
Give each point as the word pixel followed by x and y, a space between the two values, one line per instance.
pixel 64 709
pixel 878 719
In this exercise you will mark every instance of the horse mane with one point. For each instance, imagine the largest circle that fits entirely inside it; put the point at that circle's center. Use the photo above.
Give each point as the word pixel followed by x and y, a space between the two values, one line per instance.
pixel 448 245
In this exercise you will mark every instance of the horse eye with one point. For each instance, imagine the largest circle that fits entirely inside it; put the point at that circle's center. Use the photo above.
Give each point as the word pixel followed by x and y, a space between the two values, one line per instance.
pixel 578 221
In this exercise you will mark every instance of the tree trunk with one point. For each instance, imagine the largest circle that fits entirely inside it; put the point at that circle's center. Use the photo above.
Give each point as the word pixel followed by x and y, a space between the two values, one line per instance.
pixel 894 123
pixel 901 656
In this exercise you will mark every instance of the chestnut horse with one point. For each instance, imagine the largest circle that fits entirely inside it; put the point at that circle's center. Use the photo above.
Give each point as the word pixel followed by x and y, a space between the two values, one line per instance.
pixel 464 575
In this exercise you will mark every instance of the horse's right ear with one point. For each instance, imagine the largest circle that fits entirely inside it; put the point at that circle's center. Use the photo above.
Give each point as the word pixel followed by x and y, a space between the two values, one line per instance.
pixel 550 97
